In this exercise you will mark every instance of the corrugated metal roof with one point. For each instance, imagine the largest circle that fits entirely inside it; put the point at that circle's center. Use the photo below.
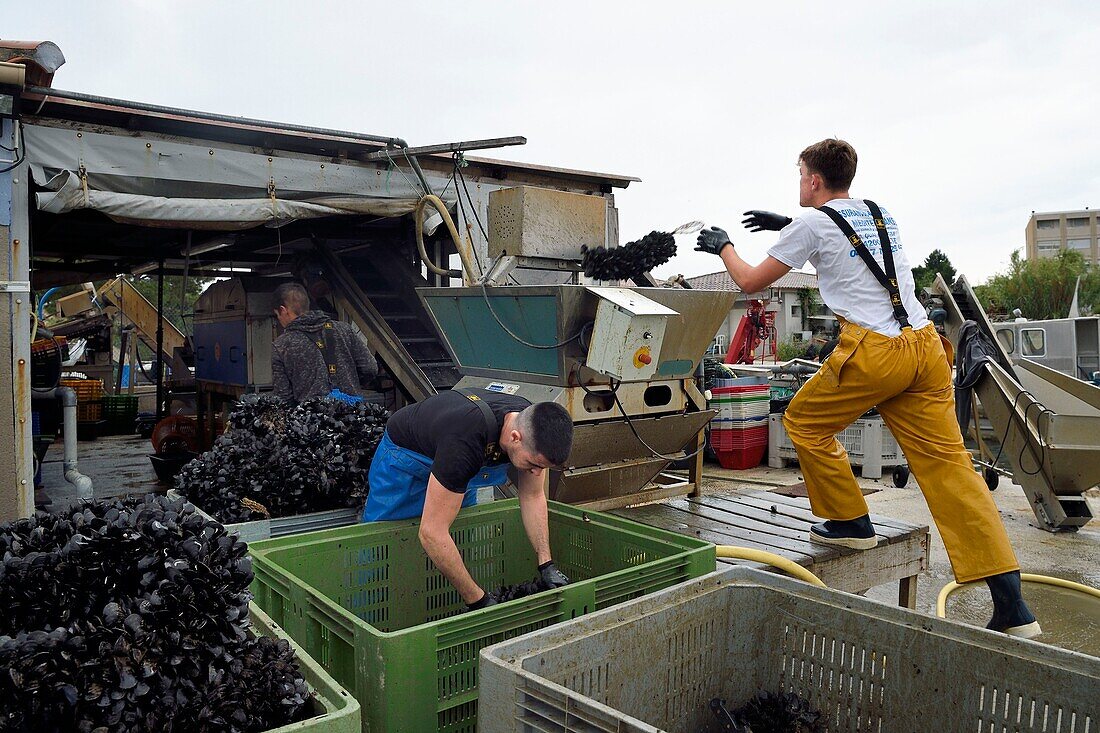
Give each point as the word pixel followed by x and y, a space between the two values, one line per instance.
pixel 793 280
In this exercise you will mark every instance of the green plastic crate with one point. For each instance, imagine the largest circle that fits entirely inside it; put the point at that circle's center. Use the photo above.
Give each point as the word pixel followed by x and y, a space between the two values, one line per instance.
pixel 369 606
pixel 334 710
pixel 120 412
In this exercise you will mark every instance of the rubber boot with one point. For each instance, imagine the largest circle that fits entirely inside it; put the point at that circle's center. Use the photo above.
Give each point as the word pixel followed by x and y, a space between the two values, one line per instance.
pixel 1010 614
pixel 856 534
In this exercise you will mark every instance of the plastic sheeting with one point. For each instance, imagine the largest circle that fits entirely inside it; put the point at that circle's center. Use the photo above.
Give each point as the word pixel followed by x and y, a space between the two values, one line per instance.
pixel 187 184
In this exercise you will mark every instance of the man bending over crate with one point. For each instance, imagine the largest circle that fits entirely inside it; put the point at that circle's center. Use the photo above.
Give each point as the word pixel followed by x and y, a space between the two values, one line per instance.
pixel 437 453
pixel 888 356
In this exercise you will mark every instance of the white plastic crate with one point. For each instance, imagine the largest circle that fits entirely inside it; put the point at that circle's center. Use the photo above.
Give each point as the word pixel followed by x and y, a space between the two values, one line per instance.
pixel 653 665
pixel 868 442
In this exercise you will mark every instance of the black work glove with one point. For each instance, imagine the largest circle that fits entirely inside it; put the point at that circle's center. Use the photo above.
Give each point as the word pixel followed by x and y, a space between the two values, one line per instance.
pixel 486 600
pixel 553 577
pixel 712 240
pixel 760 221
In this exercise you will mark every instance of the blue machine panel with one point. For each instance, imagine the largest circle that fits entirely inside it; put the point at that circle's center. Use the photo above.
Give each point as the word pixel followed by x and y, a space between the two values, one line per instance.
pixel 479 342
pixel 221 352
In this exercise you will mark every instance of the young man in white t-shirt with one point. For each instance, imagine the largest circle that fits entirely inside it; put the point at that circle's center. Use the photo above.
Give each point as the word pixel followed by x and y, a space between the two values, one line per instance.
pixel 888 356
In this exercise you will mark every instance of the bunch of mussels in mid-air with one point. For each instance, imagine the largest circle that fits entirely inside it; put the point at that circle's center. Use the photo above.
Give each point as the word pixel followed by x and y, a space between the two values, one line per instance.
pixel 630 260
pixel 132 615
pixel 286 460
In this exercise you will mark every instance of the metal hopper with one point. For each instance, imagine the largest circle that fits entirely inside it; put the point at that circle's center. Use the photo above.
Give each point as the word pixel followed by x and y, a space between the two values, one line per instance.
pixel 1048 422
pixel 495 333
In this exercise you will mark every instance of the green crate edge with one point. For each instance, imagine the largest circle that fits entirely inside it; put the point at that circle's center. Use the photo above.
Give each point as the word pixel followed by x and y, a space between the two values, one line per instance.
pixel 342 713
pixel 273 584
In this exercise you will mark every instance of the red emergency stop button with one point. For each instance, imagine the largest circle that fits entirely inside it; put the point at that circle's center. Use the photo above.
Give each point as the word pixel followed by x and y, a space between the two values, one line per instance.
pixel 642 357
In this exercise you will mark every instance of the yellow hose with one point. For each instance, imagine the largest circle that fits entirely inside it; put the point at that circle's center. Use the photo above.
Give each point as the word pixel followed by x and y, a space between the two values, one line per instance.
pixel 464 255
pixel 941 600
pixel 769 558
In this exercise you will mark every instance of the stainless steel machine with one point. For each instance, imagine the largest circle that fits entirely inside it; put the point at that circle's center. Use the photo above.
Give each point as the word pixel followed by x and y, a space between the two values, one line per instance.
pixel 622 360
pixel 234 328
pixel 1046 421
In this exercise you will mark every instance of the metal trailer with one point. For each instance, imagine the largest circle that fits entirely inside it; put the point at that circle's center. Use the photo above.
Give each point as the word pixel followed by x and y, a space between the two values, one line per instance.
pixel 1047 421
pixel 1067 345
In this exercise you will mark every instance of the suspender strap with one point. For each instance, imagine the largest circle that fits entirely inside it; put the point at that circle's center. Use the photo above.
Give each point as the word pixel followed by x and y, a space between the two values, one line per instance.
pixel 327 345
pixel 888 279
pixel 493 430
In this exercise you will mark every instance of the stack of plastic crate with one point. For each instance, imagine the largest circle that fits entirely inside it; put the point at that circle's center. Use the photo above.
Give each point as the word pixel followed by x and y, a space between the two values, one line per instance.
pixel 739 432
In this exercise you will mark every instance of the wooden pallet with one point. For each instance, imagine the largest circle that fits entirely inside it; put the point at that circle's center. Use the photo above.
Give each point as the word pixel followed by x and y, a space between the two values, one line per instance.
pixel 779 524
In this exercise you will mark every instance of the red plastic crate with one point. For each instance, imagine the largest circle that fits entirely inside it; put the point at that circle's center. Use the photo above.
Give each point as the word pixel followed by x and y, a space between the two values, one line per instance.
pixel 736 439
pixel 743 458
pixel 750 389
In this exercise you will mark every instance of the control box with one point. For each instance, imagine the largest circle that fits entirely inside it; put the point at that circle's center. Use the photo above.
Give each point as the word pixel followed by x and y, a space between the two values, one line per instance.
pixel 628 334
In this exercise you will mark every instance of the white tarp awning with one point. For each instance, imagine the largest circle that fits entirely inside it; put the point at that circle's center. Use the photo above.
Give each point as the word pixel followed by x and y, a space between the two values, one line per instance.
pixel 188 184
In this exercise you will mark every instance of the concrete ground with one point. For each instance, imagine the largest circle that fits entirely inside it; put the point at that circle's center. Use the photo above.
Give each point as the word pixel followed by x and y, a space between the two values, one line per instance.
pixel 117 464
pixel 1069 620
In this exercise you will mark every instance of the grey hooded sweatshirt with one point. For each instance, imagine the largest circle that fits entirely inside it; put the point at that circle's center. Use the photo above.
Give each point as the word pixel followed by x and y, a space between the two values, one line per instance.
pixel 298 367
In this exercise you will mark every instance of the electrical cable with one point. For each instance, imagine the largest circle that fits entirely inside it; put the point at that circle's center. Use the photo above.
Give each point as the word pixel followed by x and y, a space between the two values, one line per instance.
pixel 1043 410
pixel 18 161
pixel 528 344
pixel 477 218
pixel 456 173
pixel 466 221
pixel 416 187
pixel 651 449
pixel 1042 444
pixel 614 392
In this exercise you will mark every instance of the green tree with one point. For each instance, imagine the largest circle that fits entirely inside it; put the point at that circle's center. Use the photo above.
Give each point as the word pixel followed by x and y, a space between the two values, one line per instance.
pixel 935 263
pixel 1042 288
pixel 790 349
pixel 807 299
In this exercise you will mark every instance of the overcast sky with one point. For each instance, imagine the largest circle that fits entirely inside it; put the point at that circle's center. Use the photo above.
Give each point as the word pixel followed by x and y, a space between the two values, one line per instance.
pixel 966 115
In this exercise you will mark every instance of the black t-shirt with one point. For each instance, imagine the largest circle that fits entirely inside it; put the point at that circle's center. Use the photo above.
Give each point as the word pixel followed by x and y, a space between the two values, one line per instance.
pixel 451 430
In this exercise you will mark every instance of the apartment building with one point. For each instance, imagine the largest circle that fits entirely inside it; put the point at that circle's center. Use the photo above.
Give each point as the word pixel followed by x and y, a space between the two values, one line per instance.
pixel 1048 233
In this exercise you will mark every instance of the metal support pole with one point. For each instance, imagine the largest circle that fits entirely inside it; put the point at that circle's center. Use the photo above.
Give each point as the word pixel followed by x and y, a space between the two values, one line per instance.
pixel 16 460
pixel 160 339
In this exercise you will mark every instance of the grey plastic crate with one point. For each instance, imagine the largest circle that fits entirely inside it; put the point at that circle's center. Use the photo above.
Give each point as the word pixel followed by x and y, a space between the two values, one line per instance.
pixel 263 529
pixel 867 441
pixel 655 663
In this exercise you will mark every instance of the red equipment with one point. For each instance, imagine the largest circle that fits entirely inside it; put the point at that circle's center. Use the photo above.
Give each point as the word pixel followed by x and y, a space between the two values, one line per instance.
pixel 757 327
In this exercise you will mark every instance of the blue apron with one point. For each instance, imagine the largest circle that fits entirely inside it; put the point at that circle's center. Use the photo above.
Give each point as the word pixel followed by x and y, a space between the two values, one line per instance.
pixel 342 396
pixel 398 482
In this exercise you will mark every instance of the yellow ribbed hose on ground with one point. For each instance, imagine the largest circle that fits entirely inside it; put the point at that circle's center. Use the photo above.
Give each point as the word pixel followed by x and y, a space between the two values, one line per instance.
pixel 769 558
pixel 466 255
pixel 941 600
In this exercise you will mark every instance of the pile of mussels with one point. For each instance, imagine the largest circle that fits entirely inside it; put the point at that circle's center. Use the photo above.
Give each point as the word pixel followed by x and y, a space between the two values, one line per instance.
pixel 630 260
pixel 769 712
pixel 279 460
pixel 131 616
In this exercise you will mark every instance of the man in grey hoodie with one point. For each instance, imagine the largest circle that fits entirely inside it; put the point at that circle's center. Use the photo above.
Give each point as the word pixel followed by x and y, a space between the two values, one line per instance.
pixel 316 355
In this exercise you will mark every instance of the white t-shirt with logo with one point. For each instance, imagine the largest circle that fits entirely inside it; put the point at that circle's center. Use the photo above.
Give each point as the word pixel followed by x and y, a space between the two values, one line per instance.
pixel 847 285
